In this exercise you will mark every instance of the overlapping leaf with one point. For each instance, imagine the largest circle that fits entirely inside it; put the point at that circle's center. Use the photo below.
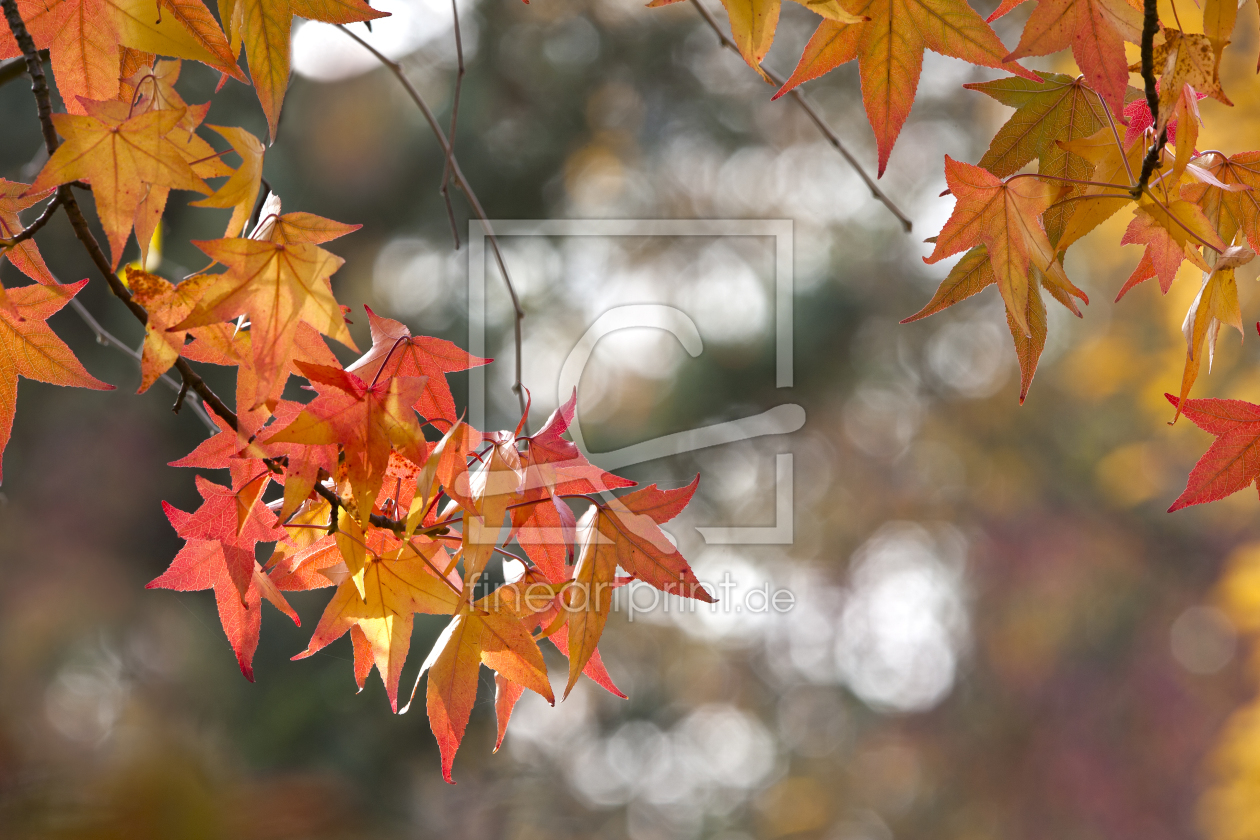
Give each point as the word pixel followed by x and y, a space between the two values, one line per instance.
pixel 400 580
pixel 490 633
pixel 626 533
pixel 396 352
pixel 122 158
pixel 1216 304
pixel 29 348
pixel 263 28
pixel 1234 206
pixel 889 48
pixel 86 39
pixel 367 419
pixel 1095 30
pixel 1004 216
pixel 215 557
pixel 14 198
pixel 279 285
pixel 1048 114
pixel 972 275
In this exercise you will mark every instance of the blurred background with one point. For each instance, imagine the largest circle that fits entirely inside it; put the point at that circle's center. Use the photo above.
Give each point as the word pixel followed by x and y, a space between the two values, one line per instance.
pixel 995 630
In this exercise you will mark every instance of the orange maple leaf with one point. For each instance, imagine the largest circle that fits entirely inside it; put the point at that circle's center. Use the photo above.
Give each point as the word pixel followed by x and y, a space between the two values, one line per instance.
pixel 1004 216
pixel 624 533
pixel 366 419
pixel 1171 234
pixel 280 285
pixel 29 348
pixel 1095 30
pixel 490 633
pixel 1216 304
pixel 396 352
pixel 122 157
pixel 889 49
pixel 1232 206
pixel 215 557
pixel 166 304
pixel 263 26
pixel 399 581
pixel 86 39
pixel 14 198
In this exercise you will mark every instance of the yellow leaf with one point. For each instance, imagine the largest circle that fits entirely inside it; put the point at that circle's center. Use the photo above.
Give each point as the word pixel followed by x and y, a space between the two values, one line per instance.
pixel 240 192
pixel 121 159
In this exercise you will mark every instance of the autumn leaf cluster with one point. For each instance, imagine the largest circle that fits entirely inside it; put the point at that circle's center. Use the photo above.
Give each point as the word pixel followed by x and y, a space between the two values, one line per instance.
pixel 1101 146
pixel 375 487
pixel 403 525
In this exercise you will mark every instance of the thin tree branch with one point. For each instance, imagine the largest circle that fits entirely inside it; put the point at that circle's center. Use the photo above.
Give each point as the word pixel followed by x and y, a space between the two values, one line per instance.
pixel 1150 25
pixel 108 339
pixel 461 182
pixel 43 105
pixel 39 88
pixel 459 84
pixel 15 67
pixel 33 228
pixel 828 133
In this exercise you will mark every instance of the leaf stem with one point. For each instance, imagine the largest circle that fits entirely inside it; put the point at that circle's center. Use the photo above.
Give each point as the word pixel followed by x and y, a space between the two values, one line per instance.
pixel 1111 121
pixel 1067 180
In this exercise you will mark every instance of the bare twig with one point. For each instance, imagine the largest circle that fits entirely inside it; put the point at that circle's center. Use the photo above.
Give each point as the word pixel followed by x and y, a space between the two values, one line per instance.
pixel 33 228
pixel 459 85
pixel 179 399
pixel 462 182
pixel 108 339
pixel 15 67
pixel 828 133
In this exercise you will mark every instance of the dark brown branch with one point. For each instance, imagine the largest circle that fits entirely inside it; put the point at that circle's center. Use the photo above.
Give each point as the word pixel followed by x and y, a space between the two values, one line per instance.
pixel 15 67
pixel 34 69
pixel 65 195
pixel 821 124
pixel 34 227
pixel 460 181
pixel 191 379
pixel 1150 25
pixel 179 400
